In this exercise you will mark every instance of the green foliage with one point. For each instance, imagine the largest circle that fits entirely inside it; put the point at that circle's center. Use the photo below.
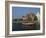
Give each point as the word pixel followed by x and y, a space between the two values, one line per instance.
pixel 35 18
pixel 17 20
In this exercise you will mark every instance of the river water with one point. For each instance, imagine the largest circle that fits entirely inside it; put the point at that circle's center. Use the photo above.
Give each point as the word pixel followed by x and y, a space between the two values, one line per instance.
pixel 21 27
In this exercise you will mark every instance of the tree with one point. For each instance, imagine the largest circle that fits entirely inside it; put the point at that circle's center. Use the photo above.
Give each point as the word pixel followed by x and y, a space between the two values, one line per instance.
pixel 35 18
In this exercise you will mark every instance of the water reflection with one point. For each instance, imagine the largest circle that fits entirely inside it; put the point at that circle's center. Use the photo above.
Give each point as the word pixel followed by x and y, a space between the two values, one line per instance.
pixel 21 27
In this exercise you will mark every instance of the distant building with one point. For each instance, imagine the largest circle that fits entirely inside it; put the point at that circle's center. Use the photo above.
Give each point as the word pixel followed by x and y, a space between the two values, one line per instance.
pixel 31 15
pixel 24 18
pixel 28 16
